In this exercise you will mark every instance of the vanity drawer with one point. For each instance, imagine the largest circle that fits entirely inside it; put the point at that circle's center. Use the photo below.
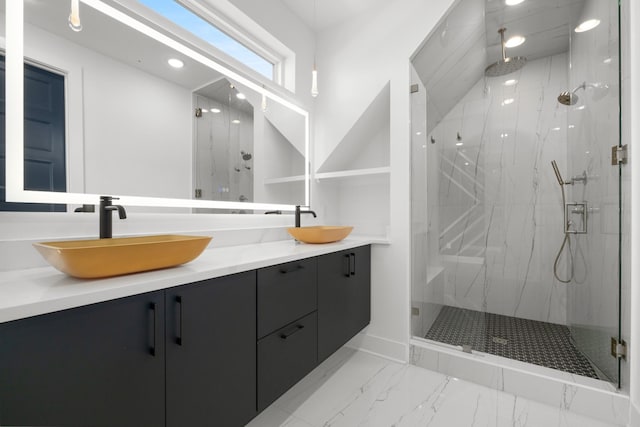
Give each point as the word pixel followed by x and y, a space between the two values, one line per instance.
pixel 286 292
pixel 285 357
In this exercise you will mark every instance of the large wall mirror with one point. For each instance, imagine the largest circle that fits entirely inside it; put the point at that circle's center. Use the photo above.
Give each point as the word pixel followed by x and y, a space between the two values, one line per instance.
pixel 202 136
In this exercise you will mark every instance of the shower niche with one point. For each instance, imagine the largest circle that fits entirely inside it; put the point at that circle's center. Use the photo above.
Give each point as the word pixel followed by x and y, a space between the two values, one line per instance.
pixel 493 239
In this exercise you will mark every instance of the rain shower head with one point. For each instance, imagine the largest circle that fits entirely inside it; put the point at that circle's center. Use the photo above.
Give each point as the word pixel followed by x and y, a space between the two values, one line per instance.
pixel 505 65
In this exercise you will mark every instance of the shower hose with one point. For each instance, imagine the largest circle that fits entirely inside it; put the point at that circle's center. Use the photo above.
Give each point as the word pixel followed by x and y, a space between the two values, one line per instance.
pixel 566 242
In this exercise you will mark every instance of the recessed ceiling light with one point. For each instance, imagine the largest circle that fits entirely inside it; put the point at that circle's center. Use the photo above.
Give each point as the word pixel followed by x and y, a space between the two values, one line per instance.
pixel 508 101
pixel 504 135
pixel 459 144
pixel 587 25
pixel 556 128
pixel 235 121
pixel 580 107
pixel 204 110
pixel 512 2
pixel 418 133
pixel 607 61
pixel 241 95
pixel 572 126
pixel 515 41
pixel 215 110
pixel 466 163
pixel 175 63
pixel 510 82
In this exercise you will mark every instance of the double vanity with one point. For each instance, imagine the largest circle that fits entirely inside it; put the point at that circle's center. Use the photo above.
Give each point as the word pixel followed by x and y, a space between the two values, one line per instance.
pixel 213 341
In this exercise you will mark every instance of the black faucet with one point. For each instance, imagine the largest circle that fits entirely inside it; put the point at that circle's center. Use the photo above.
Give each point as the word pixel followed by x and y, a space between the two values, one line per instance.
pixel 299 212
pixel 105 215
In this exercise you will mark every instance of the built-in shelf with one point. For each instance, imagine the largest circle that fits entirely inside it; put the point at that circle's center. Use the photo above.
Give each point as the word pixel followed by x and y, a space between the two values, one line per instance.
pixel 284 180
pixel 385 170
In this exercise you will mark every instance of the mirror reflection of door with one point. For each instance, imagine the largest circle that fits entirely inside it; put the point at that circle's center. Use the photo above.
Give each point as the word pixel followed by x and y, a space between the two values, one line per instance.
pixel 44 130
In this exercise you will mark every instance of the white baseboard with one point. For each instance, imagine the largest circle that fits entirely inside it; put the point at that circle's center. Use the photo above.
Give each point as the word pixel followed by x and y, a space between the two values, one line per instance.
pixel 379 346
pixel 634 415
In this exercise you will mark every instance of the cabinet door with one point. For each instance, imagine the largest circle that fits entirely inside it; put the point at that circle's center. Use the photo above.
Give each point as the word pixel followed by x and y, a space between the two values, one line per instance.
pixel 211 352
pixel 286 292
pixel 98 365
pixel 344 297
pixel 284 357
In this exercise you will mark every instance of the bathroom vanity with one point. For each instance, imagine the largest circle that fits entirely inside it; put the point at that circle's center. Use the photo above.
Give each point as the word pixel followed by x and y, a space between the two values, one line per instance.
pixel 216 340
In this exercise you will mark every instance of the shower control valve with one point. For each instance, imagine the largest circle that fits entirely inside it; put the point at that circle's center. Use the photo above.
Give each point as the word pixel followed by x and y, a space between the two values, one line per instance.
pixel 576 225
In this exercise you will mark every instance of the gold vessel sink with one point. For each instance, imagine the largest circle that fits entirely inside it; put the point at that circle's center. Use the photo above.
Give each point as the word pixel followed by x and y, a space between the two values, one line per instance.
pixel 320 233
pixel 91 259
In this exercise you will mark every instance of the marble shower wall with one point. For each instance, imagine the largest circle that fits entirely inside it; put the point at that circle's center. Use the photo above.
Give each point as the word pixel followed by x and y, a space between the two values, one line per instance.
pixel 593 294
pixel 499 207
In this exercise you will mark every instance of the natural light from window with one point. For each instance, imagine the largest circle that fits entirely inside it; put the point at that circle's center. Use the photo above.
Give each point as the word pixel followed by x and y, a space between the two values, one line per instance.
pixel 206 31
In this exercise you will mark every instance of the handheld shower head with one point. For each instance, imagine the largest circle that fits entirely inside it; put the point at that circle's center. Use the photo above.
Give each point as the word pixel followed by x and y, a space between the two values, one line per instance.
pixel 557 171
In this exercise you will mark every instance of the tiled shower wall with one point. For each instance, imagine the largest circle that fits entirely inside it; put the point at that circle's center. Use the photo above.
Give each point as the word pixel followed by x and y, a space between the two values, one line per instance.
pixel 498 218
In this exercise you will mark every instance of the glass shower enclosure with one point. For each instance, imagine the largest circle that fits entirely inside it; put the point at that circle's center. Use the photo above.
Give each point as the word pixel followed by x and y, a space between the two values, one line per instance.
pixel 517 182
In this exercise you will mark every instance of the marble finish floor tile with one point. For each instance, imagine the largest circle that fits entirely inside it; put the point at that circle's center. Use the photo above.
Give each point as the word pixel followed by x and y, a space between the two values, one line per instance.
pixel 530 341
pixel 354 388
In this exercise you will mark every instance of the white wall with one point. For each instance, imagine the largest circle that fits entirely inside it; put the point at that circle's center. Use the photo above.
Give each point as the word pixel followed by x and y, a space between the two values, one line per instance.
pixel 356 59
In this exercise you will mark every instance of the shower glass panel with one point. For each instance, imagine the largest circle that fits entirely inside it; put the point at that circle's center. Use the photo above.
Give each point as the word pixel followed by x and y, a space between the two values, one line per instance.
pixel 593 127
pixel 488 215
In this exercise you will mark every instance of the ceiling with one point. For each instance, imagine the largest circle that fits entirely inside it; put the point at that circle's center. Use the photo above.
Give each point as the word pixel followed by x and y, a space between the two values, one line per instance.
pixel 330 12
pixel 455 55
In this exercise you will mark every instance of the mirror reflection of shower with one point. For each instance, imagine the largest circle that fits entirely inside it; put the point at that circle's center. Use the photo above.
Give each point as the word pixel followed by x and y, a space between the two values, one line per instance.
pixel 223 146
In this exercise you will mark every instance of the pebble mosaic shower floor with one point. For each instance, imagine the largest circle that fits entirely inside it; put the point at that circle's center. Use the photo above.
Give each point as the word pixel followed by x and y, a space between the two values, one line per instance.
pixel 531 341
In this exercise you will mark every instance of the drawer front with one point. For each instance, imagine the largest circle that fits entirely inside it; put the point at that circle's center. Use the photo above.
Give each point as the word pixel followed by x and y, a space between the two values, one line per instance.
pixel 286 292
pixel 285 357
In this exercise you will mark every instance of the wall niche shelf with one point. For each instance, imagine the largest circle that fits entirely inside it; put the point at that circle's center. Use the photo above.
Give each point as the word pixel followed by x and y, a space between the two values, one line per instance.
pixel 354 181
pixel 385 170
pixel 284 180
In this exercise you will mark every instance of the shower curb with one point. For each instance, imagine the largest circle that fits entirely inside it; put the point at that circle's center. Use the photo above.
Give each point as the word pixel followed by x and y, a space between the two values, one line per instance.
pixel 585 396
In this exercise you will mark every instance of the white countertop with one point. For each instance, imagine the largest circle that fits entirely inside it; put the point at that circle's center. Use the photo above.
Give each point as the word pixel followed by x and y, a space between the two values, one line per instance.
pixel 30 292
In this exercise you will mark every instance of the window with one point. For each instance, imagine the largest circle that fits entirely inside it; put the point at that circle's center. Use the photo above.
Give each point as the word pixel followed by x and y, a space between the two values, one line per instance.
pixel 206 31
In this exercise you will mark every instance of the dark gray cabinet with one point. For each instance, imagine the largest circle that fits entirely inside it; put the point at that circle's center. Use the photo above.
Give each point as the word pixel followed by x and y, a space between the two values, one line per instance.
pixel 344 297
pixel 287 327
pixel 211 354
pixel 98 365
pixel 214 352
pixel 286 292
